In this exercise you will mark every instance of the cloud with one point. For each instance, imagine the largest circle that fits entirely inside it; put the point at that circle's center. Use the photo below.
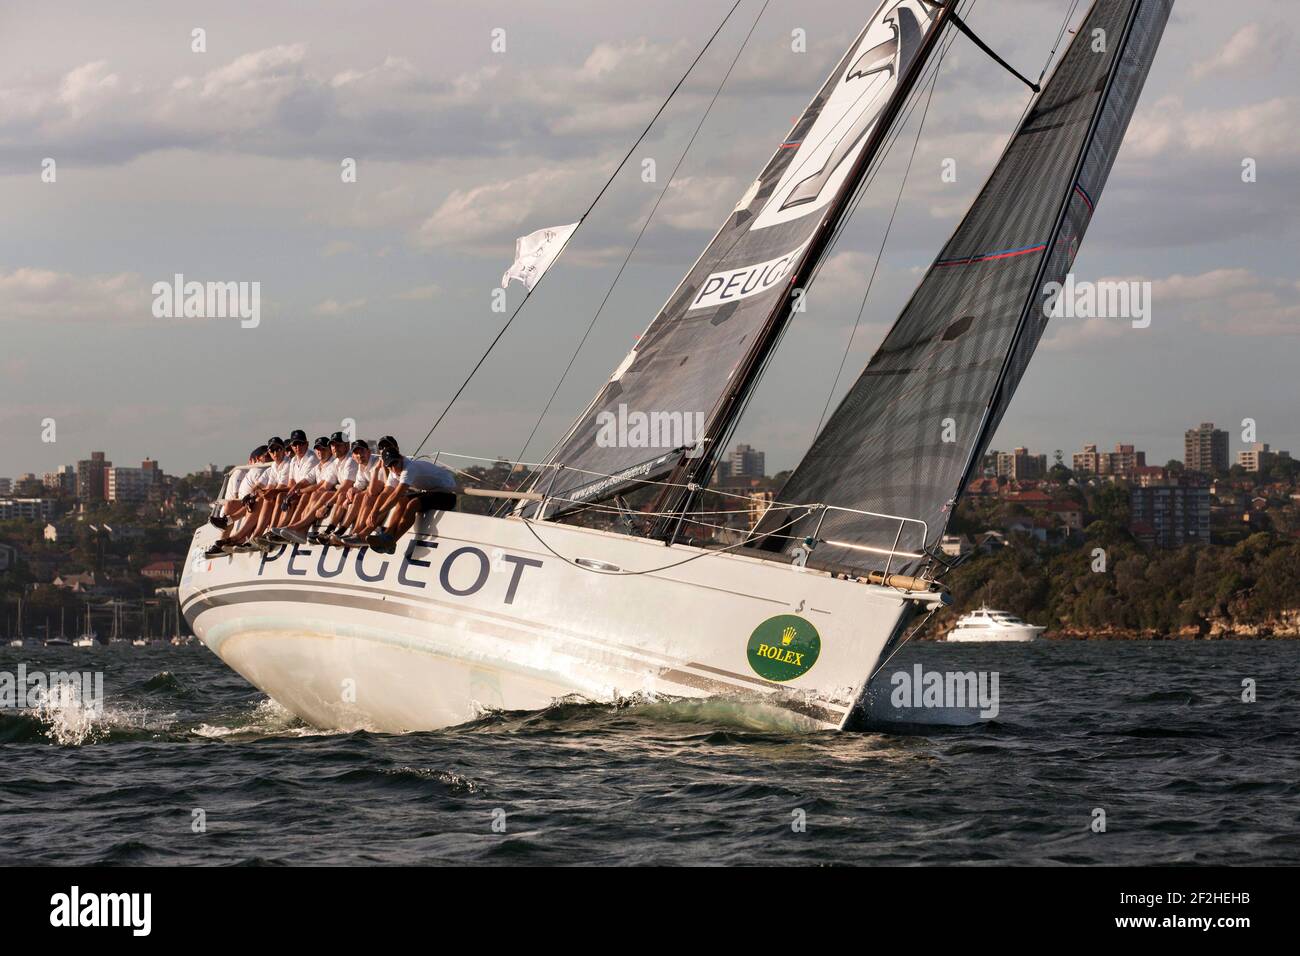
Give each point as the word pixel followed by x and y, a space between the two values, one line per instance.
pixel 485 215
pixel 335 307
pixel 88 84
pixel 282 101
pixel 254 77
pixel 338 247
pixel 696 202
pixel 1169 131
pixel 422 293
pixel 42 295
pixel 843 278
pixel 1234 301
pixel 1246 47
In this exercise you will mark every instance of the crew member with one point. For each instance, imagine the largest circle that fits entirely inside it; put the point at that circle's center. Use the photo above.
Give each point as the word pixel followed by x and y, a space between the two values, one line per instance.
pixel 414 487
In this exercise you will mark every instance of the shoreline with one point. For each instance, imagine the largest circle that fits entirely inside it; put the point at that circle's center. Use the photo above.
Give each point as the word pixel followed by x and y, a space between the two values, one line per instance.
pixel 1278 632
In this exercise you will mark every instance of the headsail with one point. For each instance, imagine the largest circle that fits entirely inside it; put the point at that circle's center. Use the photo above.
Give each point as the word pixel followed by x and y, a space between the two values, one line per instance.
pixel 906 436
pixel 705 339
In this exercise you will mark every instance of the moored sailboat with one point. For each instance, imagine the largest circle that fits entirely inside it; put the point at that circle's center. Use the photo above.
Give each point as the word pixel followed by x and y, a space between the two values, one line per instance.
pixel 515 609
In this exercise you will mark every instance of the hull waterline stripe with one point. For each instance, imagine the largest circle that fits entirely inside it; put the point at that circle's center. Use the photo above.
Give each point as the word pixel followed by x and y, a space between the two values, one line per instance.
pixel 518 622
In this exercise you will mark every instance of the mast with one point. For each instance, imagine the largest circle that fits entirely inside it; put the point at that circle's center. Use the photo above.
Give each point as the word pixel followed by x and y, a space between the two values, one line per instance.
pixel 690 372
pixel 695 472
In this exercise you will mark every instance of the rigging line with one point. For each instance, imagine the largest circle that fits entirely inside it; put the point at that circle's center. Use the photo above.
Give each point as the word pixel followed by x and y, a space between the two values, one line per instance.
pixel 859 193
pixel 984 280
pixel 614 175
pixel 645 225
pixel 1051 55
pixel 961 25
pixel 907 637
pixel 902 186
pixel 878 163
pixel 1065 25
pixel 867 179
pixel 667 567
pixel 1112 72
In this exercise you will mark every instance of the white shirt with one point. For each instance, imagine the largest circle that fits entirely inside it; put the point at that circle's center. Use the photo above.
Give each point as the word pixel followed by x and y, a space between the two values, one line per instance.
pixel 303 469
pixel 345 469
pixel 275 475
pixel 423 476
pixel 251 481
pixel 235 481
pixel 327 472
pixel 366 473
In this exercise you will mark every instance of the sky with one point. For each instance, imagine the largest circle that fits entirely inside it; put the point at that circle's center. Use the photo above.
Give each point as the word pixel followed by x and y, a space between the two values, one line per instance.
pixel 226 164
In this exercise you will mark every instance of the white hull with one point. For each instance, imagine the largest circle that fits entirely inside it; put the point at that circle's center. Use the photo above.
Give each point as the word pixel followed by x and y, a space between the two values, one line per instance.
pixel 474 614
pixel 1005 635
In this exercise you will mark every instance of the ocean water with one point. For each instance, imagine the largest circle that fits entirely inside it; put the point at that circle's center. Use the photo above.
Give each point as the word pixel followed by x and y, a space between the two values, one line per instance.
pixel 1154 734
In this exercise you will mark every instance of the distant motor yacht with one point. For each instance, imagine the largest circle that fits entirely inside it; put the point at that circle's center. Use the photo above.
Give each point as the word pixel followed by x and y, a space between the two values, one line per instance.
pixel 986 626
pixel 86 640
pixel 16 642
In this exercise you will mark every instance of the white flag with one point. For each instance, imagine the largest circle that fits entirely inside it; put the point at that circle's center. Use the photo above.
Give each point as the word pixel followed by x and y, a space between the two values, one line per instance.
pixel 534 254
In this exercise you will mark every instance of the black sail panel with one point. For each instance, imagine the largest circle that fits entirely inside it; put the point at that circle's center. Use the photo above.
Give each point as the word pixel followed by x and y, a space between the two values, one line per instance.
pixel 904 438
pixel 685 361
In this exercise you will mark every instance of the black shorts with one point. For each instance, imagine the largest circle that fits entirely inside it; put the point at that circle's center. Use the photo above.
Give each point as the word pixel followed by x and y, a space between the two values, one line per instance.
pixel 433 501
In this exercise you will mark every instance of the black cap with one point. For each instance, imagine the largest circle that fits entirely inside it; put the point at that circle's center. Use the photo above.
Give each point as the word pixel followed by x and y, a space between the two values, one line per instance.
pixel 391 456
pixel 258 452
pixel 338 439
pixel 388 441
pixel 274 445
pixel 321 442
pixel 297 435
pixel 277 440
pixel 359 445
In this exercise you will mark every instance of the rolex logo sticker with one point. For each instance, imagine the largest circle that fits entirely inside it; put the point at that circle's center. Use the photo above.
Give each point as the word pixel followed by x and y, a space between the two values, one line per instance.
pixel 783 648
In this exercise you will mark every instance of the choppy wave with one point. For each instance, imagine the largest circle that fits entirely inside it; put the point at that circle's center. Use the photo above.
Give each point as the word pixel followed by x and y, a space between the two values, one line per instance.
pixel 1186 770
pixel 744 712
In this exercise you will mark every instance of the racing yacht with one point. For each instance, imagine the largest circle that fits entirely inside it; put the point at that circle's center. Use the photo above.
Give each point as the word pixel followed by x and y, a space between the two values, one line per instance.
pixel 607 574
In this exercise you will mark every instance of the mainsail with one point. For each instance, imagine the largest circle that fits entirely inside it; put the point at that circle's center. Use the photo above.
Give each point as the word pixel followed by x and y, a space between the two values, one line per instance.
pixel 704 345
pixel 908 434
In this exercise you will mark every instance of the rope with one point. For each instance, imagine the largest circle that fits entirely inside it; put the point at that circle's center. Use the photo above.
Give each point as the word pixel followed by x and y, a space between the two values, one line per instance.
pixel 645 225
pixel 721 256
pixel 528 294
pixel 884 239
pixel 867 181
pixel 667 567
